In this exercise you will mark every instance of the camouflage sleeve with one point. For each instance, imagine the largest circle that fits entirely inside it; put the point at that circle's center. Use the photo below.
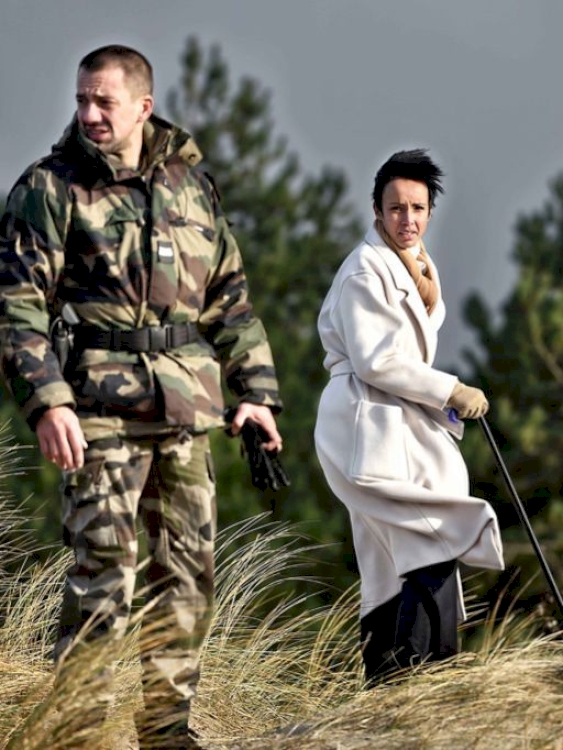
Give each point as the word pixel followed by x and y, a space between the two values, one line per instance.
pixel 236 334
pixel 32 238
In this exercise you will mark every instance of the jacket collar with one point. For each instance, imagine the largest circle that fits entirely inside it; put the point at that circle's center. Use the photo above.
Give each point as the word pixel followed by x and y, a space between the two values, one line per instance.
pixel 161 140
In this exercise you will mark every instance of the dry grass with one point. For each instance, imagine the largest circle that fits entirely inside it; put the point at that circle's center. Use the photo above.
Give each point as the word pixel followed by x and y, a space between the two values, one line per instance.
pixel 308 694
pixel 284 680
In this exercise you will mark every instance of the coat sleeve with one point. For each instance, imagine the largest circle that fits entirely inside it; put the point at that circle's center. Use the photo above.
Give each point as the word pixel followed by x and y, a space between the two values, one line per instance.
pixel 32 239
pixel 236 334
pixel 374 335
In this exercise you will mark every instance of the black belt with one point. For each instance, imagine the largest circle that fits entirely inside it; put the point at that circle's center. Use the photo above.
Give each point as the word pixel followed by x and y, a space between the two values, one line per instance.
pixel 149 339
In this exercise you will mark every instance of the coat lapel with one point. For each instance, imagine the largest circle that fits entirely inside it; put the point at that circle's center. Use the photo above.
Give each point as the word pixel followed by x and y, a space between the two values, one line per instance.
pixel 403 281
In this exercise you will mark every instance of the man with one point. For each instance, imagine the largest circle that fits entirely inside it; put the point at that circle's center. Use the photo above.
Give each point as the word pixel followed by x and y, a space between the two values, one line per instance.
pixel 120 232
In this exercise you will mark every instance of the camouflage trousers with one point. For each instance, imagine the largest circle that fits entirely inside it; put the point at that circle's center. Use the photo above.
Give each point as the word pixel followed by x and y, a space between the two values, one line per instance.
pixel 168 484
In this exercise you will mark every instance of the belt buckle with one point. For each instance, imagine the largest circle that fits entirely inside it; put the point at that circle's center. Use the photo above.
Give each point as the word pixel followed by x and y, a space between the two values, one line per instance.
pixel 159 338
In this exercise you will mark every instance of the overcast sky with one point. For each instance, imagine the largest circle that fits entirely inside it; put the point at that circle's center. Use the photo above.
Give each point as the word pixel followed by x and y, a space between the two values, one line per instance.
pixel 478 83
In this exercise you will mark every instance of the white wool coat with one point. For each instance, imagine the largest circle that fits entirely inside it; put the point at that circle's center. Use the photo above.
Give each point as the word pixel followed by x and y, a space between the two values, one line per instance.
pixel 383 437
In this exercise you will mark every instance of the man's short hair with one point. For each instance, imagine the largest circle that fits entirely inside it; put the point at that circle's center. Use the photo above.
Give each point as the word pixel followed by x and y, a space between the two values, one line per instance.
pixel 408 165
pixel 135 66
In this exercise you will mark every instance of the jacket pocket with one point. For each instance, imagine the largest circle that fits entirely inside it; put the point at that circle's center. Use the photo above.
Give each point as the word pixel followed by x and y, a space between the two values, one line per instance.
pixel 378 450
pixel 107 387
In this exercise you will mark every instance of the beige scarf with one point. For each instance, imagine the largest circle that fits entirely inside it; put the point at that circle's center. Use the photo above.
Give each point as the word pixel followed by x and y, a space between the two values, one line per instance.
pixel 419 268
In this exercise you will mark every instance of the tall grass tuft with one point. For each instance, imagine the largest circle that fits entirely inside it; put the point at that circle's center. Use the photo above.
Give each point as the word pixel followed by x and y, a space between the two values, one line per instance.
pixel 275 674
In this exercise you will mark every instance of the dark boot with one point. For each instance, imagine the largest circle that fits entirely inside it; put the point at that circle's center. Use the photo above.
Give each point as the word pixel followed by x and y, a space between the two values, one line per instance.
pixel 176 738
pixel 185 740
pixel 378 630
pixel 419 624
pixel 174 733
pixel 427 620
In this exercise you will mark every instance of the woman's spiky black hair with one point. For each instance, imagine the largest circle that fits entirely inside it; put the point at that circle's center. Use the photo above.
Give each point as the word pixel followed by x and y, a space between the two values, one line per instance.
pixel 409 165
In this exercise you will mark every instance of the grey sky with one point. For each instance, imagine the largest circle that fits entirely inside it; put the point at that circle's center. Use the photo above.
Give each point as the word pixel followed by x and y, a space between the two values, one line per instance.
pixel 478 83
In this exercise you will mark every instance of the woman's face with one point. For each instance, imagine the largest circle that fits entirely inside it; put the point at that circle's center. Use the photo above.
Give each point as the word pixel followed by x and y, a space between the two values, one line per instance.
pixel 405 211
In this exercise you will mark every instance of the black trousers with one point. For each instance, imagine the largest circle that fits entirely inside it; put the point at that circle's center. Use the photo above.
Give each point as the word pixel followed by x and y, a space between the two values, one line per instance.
pixel 419 624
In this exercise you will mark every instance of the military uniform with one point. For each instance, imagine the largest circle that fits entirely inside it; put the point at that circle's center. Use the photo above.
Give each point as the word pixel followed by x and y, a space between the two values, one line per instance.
pixel 148 263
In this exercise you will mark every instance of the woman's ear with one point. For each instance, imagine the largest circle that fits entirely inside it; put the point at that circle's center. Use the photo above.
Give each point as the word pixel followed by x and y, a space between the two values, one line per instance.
pixel 377 212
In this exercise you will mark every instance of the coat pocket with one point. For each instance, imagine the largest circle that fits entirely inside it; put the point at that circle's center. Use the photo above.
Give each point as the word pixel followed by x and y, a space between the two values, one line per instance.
pixel 378 450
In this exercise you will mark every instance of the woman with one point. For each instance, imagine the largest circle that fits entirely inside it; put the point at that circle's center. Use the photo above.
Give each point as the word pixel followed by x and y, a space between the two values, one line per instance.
pixel 386 426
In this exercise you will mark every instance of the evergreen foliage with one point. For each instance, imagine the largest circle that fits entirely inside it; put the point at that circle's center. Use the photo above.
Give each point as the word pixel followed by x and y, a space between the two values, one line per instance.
pixel 293 230
pixel 520 366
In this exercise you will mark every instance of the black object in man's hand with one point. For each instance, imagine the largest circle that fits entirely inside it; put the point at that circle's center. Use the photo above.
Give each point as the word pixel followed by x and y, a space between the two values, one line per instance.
pixel 265 467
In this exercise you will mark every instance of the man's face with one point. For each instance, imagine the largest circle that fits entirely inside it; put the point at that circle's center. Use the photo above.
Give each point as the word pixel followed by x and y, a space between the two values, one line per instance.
pixel 111 112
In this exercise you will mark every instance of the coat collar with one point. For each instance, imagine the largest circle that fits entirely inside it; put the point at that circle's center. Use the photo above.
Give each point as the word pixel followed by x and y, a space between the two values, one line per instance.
pixel 402 278
pixel 161 140
pixel 403 281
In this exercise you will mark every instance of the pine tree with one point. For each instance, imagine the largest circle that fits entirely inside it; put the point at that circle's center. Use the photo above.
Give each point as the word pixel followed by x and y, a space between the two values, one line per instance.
pixel 520 365
pixel 293 230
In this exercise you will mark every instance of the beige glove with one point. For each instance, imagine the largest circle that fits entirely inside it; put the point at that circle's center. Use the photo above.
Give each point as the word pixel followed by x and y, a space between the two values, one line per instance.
pixel 469 403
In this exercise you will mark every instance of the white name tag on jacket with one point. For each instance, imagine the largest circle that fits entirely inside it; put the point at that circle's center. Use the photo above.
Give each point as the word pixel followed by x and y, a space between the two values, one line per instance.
pixel 165 252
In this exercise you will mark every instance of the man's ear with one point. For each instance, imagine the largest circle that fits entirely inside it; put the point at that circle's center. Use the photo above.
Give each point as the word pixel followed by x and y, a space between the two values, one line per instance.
pixel 147 106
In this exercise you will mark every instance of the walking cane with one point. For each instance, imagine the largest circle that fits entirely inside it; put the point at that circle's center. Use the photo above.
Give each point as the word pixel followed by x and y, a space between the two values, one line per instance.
pixel 522 513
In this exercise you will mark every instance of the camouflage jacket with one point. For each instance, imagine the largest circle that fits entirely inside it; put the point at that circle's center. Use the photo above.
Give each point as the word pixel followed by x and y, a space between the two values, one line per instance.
pixel 127 249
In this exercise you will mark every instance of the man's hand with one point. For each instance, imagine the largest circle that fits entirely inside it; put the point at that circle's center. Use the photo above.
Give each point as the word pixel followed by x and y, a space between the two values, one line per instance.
pixel 263 417
pixel 61 439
